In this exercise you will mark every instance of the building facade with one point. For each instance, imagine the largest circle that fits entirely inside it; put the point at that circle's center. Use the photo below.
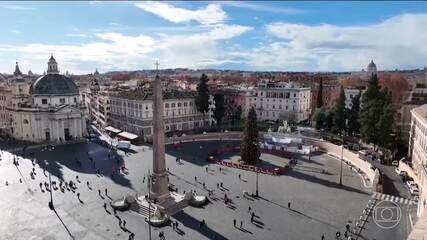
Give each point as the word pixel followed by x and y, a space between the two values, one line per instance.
pixel 418 151
pixel 52 111
pixel 132 111
pixel 97 103
pixel 280 100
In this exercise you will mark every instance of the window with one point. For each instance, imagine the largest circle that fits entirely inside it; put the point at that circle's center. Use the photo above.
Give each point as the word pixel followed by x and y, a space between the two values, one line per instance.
pixel 179 104
pixel 185 104
pixel 166 105
pixel 62 100
pixel 173 105
pixel 44 101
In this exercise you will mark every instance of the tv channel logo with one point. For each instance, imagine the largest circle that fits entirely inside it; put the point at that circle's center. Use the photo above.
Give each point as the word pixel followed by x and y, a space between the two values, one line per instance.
pixel 387 214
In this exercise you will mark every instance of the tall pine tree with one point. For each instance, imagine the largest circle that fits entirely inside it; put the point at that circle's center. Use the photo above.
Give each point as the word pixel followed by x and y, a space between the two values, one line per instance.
pixel 219 108
pixel 249 149
pixel 319 103
pixel 340 113
pixel 202 98
pixel 376 115
pixel 353 116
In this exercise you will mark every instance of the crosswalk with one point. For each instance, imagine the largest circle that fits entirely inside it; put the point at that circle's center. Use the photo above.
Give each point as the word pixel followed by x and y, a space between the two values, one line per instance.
pixel 396 199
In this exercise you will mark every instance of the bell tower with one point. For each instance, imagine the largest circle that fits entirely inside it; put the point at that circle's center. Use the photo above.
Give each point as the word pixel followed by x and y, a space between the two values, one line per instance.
pixel 52 66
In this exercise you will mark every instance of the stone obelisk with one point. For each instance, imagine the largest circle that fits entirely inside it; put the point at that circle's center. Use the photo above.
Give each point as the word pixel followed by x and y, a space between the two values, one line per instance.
pixel 159 191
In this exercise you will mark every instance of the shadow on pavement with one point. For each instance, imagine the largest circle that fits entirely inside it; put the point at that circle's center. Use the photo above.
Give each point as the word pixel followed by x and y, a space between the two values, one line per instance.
pixel 54 159
pixel 323 182
pixel 193 223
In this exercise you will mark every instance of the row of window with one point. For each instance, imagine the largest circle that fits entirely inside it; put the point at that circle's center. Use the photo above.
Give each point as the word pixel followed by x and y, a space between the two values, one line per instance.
pixel 61 100
pixel 140 106
pixel 277 94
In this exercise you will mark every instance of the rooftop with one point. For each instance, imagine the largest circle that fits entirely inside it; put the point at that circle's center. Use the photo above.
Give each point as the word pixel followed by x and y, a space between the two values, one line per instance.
pixel 146 94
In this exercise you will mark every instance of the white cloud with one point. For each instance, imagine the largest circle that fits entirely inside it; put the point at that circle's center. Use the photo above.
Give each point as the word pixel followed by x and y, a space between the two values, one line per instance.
pixel 17 7
pixel 115 51
pixel 79 35
pixel 262 7
pixel 15 31
pixel 211 14
pixel 397 42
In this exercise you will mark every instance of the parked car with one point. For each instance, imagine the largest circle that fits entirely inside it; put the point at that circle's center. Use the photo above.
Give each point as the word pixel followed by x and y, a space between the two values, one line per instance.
pixel 414 191
pixel 397 170
pixel 410 184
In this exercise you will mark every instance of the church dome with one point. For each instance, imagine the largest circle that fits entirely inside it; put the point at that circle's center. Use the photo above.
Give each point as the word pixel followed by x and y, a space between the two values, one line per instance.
pixel 372 64
pixel 54 84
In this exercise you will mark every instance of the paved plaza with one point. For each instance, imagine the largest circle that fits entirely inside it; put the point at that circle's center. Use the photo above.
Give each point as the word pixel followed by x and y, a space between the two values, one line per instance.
pixel 319 206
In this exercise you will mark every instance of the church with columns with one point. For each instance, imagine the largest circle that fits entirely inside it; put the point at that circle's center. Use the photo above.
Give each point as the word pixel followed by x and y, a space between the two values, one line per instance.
pixel 52 110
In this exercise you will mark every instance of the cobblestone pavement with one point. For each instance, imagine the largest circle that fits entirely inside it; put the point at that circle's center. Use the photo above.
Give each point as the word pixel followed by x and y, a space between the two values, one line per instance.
pixel 319 206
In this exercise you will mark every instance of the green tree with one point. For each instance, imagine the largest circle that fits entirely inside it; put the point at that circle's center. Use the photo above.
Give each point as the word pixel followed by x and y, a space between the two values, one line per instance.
pixel 329 120
pixel 319 102
pixel 219 108
pixel 250 151
pixel 339 113
pixel 202 98
pixel 319 118
pixel 353 116
pixel 376 115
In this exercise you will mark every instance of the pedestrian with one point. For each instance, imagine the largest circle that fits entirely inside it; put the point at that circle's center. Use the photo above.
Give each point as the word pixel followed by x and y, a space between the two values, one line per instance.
pixel 239 175
pixel 249 209
pixel 99 192
pixel 204 185
pixel 289 205
pixel 252 216
pixel 202 223
pixel 176 225
pixel 106 192
pixel 323 237
pixel 234 222
pixel 173 225
pixel 105 206
pixel 217 185
pixel 241 224
pixel 195 178
pixel 78 195
pixel 131 236
pixel 222 185
pixel 124 223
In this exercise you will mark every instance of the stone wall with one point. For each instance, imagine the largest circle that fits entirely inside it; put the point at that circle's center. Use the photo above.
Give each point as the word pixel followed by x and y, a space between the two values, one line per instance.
pixel 349 156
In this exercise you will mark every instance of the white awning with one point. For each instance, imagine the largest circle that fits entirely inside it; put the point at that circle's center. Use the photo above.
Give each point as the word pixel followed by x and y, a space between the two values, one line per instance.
pixel 127 135
pixel 112 129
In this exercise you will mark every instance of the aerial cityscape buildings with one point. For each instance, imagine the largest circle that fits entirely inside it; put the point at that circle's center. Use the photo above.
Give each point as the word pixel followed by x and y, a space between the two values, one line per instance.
pixel 213 120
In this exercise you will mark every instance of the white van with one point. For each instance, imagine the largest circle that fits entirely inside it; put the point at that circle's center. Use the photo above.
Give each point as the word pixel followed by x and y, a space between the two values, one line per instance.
pixel 123 145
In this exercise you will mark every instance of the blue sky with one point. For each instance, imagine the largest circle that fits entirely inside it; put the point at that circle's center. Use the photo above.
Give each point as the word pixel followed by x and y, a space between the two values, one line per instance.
pixel 254 35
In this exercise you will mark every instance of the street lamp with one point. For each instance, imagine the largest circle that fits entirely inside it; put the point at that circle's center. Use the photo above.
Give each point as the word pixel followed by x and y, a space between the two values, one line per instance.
pixel 342 150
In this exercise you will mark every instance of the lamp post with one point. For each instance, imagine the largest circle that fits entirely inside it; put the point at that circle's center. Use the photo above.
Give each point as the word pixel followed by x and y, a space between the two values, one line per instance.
pixel 149 204
pixel 256 191
pixel 342 150
pixel 51 198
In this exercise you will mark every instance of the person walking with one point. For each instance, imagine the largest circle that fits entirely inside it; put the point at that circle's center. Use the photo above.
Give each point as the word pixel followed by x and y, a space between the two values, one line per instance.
pixel 106 192
pixel 234 222
pixel 252 216
pixel 240 176
pixel 323 237
pixel 249 209
pixel 289 205
pixel 124 223
pixel 221 185
pixel 99 192
pixel 241 224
